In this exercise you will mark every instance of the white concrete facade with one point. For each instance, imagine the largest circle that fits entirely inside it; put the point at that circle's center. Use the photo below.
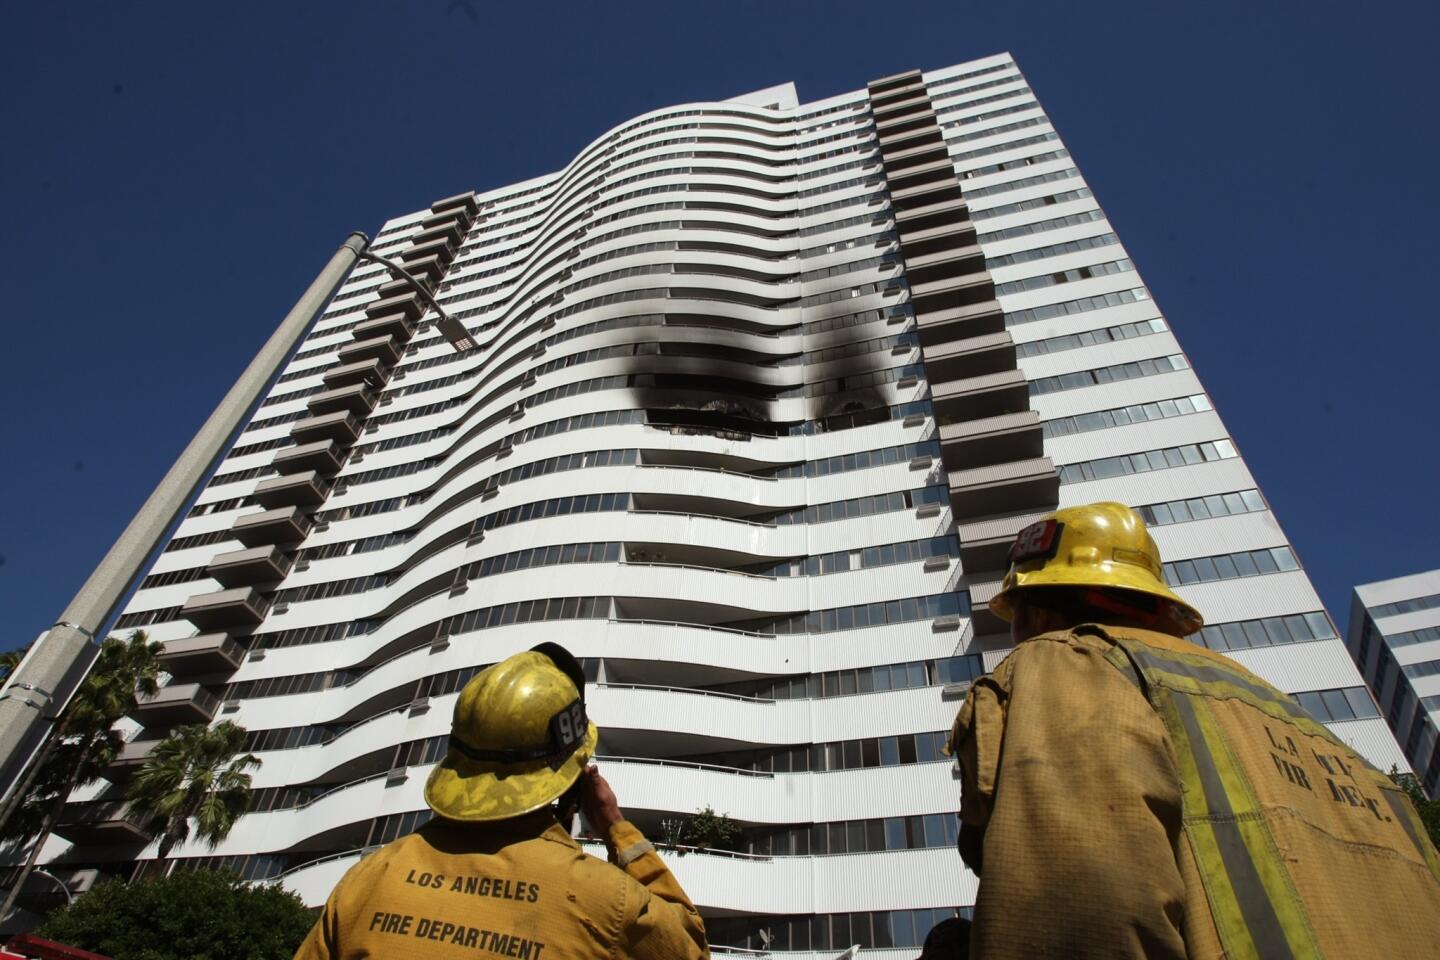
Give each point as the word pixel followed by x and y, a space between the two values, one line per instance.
pixel 1394 638
pixel 698 429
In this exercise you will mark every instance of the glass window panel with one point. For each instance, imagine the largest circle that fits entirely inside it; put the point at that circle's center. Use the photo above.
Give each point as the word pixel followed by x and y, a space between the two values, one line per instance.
pixel 1313 704
pixel 870 752
pixel 1244 565
pixel 907 748
pixel 1205 569
pixel 889 751
pixel 1264 562
pixel 1319 624
pixel 1360 703
pixel 874 834
pixel 1337 705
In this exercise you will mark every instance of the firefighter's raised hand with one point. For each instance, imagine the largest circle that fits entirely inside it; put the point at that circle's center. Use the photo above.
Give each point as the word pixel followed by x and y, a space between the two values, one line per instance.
pixel 597 801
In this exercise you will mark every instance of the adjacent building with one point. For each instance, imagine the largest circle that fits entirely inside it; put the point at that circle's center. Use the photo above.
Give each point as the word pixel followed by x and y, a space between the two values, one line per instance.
pixel 761 391
pixel 1394 636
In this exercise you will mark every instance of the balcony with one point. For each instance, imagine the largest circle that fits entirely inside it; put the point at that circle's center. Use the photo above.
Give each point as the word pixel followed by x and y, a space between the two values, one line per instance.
pixel 978 398
pixel 340 425
pixel 204 653
pixel 427 267
pixel 896 141
pixel 914 101
pixel 297 489
pixel 132 757
pixel 223 609
pixel 991 440
pixel 371 372
pixel 395 288
pixel 177 703
pixel 443 249
pixel 323 456
pixel 382 349
pixel 451 230
pixel 933 170
pixel 281 525
pixel 969 358
pixel 104 823
pixel 903 159
pixel 246 568
pixel 1004 488
pixel 406 304
pixel 461 202
pixel 945 213
pixel 895 83
pixel 942 324
pixel 952 254
pixel 985 544
pixel 455 215
pixel 356 398
pixel 391 324
pixel 902 122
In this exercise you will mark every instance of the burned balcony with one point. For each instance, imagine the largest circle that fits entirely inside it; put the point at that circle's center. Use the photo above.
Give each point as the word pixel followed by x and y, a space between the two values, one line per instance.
pixel 205 653
pixel 250 567
pixel 356 398
pixel 102 823
pixel 323 456
pixel 371 372
pixel 391 324
pixel 223 609
pixel 177 703
pixel 406 304
pixel 381 349
pixel 1004 488
pixel 298 489
pixel 895 84
pixel 338 425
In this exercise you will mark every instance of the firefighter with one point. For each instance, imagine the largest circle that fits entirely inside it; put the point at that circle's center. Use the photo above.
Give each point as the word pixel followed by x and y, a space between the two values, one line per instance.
pixel 1127 793
pixel 495 873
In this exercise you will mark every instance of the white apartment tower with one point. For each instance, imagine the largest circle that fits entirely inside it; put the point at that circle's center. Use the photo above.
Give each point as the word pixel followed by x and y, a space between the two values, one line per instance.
pixel 1394 636
pixel 761 391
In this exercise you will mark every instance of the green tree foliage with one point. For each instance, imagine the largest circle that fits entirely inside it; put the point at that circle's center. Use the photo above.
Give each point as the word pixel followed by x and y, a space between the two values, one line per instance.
pixel 710 829
pixel 195 773
pixel 83 742
pixel 1429 810
pixel 192 915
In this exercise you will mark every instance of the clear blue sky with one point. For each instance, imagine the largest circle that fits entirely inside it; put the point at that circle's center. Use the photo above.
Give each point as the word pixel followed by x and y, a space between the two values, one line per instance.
pixel 174 174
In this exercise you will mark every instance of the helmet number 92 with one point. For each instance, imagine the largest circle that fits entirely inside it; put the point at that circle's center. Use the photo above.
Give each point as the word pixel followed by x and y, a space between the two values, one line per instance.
pixel 1039 540
pixel 570 724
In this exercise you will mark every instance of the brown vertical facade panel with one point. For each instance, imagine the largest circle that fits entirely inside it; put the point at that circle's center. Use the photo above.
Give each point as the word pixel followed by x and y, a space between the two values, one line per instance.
pixel 990 439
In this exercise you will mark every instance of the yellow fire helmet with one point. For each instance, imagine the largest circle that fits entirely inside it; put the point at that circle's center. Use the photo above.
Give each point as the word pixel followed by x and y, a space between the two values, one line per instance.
pixel 1095 545
pixel 519 739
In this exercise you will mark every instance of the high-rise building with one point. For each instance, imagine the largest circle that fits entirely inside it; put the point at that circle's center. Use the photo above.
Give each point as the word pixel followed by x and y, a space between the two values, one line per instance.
pixel 760 394
pixel 1394 636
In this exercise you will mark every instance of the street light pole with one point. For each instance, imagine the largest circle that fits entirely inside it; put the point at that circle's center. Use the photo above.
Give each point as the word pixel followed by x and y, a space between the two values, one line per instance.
pixel 36 692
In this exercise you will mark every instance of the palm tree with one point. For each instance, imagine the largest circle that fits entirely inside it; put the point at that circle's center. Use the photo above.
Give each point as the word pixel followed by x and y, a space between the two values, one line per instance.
pixel 194 773
pixel 82 744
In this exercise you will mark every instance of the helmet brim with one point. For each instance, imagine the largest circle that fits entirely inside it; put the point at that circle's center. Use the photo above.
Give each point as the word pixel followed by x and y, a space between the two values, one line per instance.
pixel 474 791
pixel 1112 576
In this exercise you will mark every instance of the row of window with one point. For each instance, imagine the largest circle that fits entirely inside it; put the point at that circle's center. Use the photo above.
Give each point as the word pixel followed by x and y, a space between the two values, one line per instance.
pixel 1054 250
pixel 1123 416
pixel 1265 632
pixel 844 683
pixel 1019 163
pixel 864 615
pixel 1406 606
pixel 875 835
pixel 1054 176
pixel 1035 203
pixel 1333 706
pixel 188 575
pixel 1428 668
pixel 864 506
pixel 1202 508
pixel 905 749
pixel 1089 338
pixel 840 561
pixel 1144 462
pixel 1135 369
pixel 1049 311
pixel 878 929
pixel 1411 637
pixel 1228 566
pixel 1107 269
